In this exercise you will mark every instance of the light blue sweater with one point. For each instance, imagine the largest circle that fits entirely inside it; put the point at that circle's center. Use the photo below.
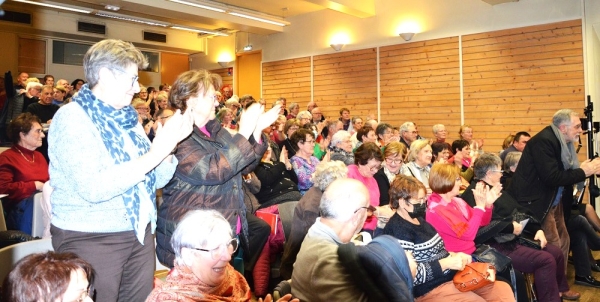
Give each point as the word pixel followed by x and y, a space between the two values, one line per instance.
pixel 86 181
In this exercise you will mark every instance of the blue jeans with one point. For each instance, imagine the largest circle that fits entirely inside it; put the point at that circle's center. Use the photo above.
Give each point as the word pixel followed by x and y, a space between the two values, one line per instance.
pixel 20 217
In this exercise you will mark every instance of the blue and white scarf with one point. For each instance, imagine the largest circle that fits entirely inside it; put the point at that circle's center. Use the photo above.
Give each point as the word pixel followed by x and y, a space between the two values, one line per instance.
pixel 112 124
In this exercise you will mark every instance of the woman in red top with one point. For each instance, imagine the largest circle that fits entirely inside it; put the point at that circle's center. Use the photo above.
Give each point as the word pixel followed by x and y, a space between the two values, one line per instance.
pixel 23 171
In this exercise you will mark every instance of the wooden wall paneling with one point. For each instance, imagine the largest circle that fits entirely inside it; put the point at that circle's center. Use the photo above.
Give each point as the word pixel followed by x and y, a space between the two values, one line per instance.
pixel 32 56
pixel 346 79
pixel 420 82
pixel 289 79
pixel 226 74
pixel 516 79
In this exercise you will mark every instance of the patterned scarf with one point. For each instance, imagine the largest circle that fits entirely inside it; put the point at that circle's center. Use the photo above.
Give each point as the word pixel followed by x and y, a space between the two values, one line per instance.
pixel 112 124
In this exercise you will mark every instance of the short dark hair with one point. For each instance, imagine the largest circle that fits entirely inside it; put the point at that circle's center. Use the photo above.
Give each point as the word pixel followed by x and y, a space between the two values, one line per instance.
pixel 300 136
pixel 518 136
pixel 364 131
pixel 437 148
pixel 21 124
pixel 74 83
pixel 381 128
pixel 46 77
pixel 44 276
pixel 190 84
pixel 459 144
pixel 404 188
pixel 366 152
pixel 344 109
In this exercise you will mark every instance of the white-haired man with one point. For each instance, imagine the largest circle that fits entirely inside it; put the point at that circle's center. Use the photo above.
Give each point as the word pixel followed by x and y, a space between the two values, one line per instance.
pixel 318 274
pixel 439 133
pixel 408 133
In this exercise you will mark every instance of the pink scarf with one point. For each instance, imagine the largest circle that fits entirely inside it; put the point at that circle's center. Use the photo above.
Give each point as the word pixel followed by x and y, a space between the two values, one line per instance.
pixel 454 213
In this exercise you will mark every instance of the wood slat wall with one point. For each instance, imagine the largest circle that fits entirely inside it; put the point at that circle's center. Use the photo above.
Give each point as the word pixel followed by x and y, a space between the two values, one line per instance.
pixel 515 79
pixel 225 75
pixel 32 56
pixel 420 82
pixel 289 79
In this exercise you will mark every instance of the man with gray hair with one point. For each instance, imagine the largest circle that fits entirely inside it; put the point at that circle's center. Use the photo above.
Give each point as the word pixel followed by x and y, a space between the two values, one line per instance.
pixel 439 133
pixel 547 171
pixel 408 134
pixel 318 274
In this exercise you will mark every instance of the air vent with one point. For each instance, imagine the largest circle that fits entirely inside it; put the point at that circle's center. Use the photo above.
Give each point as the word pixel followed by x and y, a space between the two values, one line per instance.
pixel 16 17
pixel 155 37
pixel 92 28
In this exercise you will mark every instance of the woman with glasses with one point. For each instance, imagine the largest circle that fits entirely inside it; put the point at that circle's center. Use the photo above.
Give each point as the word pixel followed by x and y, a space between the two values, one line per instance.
pixel 440 153
pixel 419 161
pixel 225 115
pixel 203 243
pixel 303 162
pixel 394 154
pixel 436 266
pixel 49 277
pixel 290 126
pixel 340 147
pixel 502 233
pixel 105 173
pixel 367 161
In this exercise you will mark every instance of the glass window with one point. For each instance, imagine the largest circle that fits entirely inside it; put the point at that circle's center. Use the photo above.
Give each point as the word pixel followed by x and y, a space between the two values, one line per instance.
pixel 68 53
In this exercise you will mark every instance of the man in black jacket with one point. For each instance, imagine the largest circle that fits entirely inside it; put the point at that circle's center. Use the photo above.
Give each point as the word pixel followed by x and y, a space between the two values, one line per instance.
pixel 547 171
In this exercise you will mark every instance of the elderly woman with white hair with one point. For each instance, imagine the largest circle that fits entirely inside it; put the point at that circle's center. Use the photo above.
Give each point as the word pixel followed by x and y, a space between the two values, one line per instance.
pixel 419 160
pixel 105 173
pixel 340 147
pixel 203 243
pixel 304 117
pixel 294 109
pixel 307 211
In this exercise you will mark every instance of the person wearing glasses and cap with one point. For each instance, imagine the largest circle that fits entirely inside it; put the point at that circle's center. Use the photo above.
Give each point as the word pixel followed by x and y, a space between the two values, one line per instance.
pixel 203 243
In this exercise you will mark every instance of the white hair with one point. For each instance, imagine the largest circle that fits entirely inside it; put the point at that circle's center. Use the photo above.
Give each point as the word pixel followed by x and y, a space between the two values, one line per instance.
pixel 328 171
pixel 32 85
pixel 339 136
pixel 405 126
pixel 436 128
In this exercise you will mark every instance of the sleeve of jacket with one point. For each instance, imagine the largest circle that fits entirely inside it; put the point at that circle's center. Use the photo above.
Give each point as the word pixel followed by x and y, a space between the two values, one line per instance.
pixel 549 170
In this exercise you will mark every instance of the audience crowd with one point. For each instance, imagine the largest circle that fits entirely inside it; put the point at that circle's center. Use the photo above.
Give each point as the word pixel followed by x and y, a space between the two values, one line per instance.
pixel 102 150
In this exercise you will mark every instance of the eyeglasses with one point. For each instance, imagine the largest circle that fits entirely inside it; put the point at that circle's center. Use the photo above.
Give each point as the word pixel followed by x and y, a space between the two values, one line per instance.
pixel 393 161
pixel 501 171
pixel 459 179
pixel 134 78
pixel 310 142
pixel 165 117
pixel 418 201
pixel 216 253
pixel 366 208
pixel 84 295
pixel 375 168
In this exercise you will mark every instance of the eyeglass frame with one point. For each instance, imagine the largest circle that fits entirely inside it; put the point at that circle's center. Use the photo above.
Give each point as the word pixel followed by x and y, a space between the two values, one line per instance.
pixel 393 161
pixel 501 171
pixel 133 80
pixel 217 249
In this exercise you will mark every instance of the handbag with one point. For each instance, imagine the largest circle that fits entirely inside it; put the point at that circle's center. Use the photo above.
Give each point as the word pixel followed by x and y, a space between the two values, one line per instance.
pixel 488 254
pixel 527 240
pixel 475 275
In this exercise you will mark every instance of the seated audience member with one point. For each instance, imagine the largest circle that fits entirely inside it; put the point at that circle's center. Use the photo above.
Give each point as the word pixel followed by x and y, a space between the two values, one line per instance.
pixel 466 132
pixel 462 159
pixel 357 124
pixel 48 80
pixel 278 136
pixel 394 155
pixel 440 153
pixel 419 160
pixel 162 116
pixel 384 134
pixel 346 120
pixel 304 117
pixel 282 102
pixel 45 111
pixel 408 134
pixel 59 96
pixel 289 128
pixel 303 162
pixel 311 105
pixel 161 100
pixel 436 266
pixel 365 135
pixel 21 81
pixel 294 109
pixel 49 277
pixel 518 144
pixel 32 92
pixel 76 84
pixel 23 171
pixel 511 161
pixel 318 274
pixel 583 239
pixel 203 244
pixel 371 123
pixel 507 142
pixel 340 148
pixel 439 133
pixel 547 264
pixel 367 162
pixel 307 211
pixel 278 182
pixel 144 117
pixel 225 115
pixel 317 115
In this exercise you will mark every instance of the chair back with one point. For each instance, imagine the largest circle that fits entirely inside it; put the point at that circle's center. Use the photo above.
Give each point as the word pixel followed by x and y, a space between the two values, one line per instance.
pixel 286 214
pixel 37 225
pixel 11 254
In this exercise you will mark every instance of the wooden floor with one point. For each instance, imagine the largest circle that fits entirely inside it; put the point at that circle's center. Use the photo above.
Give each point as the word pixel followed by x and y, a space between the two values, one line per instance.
pixel 588 294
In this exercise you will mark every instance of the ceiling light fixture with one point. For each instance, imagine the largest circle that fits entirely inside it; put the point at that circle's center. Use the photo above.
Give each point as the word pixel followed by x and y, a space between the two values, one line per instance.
pixel 58 6
pixel 407 36
pixel 258 19
pixel 130 19
pixel 199 5
pixel 113 8
pixel 197 30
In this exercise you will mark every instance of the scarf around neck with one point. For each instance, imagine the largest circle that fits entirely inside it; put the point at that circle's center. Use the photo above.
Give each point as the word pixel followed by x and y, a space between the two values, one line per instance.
pixel 454 213
pixel 568 155
pixel 113 124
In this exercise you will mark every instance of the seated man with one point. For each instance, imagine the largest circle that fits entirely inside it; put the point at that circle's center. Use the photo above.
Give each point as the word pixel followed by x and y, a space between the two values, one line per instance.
pixel 318 274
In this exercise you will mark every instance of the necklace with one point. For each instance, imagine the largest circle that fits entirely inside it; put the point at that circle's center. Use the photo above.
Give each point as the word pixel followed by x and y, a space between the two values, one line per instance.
pixel 32 156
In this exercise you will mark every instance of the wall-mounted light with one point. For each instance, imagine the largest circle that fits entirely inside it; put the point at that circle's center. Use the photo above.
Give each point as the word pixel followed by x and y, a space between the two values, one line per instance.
pixel 337 47
pixel 224 64
pixel 407 36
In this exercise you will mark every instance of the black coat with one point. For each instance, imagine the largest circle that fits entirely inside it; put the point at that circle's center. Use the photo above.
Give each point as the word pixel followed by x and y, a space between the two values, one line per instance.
pixel 540 173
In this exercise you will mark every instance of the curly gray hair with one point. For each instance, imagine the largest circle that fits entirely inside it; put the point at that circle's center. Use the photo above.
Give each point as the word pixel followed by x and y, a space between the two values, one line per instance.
pixel 326 172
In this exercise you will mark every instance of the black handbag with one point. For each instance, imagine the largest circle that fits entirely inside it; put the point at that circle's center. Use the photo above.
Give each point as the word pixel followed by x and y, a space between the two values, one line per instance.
pixel 488 254
pixel 525 239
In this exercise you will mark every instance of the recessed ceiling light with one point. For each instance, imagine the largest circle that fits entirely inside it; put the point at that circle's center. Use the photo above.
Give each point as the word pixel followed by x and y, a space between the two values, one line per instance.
pixel 113 8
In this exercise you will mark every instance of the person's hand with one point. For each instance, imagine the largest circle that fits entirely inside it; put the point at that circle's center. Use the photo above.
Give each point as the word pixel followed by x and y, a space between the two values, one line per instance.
pixel 480 194
pixel 539 235
pixel 177 128
pixel 49 121
pixel 480 142
pixel 320 127
pixel 265 120
pixel 151 124
pixel 466 258
pixel 283 157
pixel 285 298
pixel 412 263
pixel 454 262
pixel 517 228
pixel 249 120
pixel 493 194
pixel 591 167
pixel 39 185
pixel 324 143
